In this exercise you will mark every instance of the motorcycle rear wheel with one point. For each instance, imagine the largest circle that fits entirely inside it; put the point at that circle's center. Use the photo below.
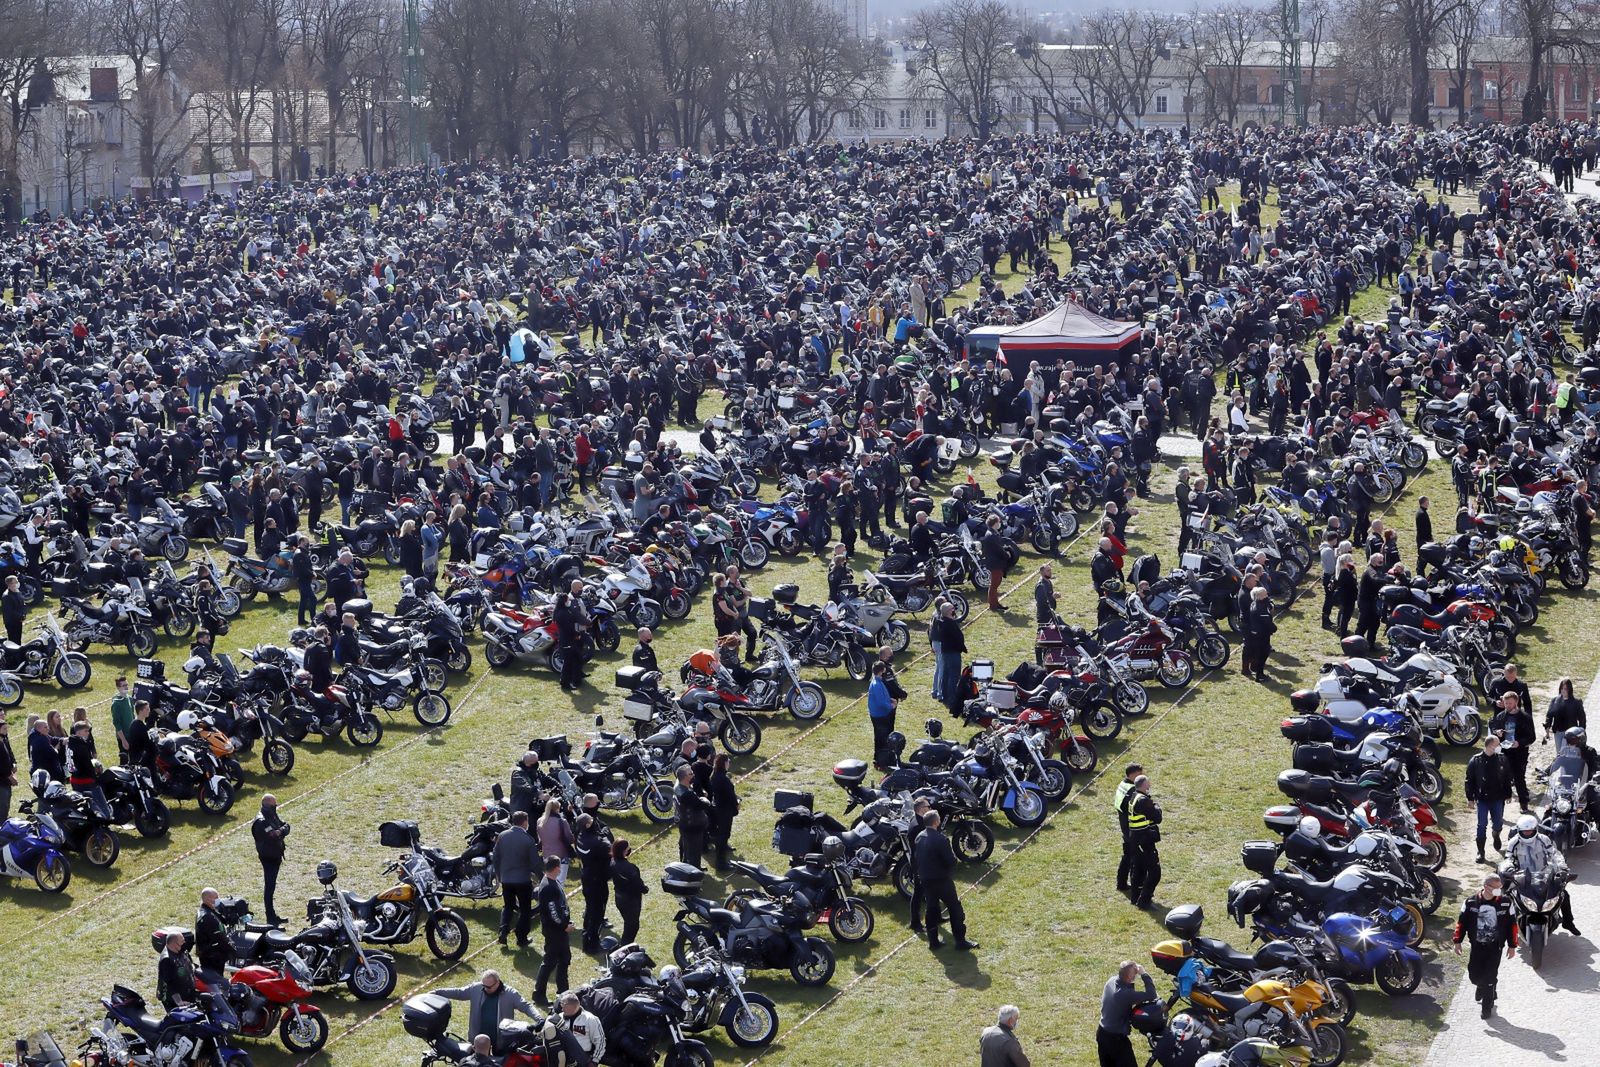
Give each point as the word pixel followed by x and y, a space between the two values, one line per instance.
pixel 816 967
pixel 244 589
pixel 690 940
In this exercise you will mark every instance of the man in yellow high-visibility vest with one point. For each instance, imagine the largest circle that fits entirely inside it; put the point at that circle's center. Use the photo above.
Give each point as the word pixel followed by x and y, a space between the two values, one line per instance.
pixel 1144 830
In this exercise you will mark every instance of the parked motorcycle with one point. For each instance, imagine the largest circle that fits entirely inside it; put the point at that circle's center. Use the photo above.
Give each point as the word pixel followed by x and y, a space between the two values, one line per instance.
pixel 400 913
pixel 763 934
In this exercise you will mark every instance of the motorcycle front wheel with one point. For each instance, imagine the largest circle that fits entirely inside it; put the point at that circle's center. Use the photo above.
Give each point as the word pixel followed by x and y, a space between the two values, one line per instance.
pixel 155 822
pixel 375 981
pixel 1340 1005
pixel 607 637
pixel 1130 698
pixel 852 921
pixel 1102 721
pixel 753 554
pixel 1462 730
pixel 277 756
pixel 1328 1045
pixel 304 1034
pixel 856 663
pixel 216 800
pixel 53 872
pixel 755 1024
pixel 688 1053
pixel 1055 782
pixel 447 935
pixel 1175 670
pixel 676 605
pixel 1573 571
pixel 458 660
pixel 1027 810
pixel 179 623
pixel 896 636
pixel 434 674
pixel 972 840
pixel 1212 651
pixel 1536 937
pixel 807 701
pixel 228 603
pixel 957 600
pixel 659 807
pixel 141 642
pixel 740 735
pixel 175 549
pixel 1429 893
pixel 10 690
pixel 905 879
pixel 1398 976
pixel 102 847
pixel 1080 756
pixel 815 966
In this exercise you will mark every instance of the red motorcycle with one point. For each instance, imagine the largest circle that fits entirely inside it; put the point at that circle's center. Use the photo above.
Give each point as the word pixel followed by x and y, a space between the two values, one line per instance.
pixel 269 997
pixel 1413 818
pixel 1151 653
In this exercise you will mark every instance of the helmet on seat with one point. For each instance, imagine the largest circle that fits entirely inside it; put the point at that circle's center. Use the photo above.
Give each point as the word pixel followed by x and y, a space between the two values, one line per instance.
pixel 935 728
pixel 187 719
pixel 833 847
pixel 1059 701
pixel 1310 826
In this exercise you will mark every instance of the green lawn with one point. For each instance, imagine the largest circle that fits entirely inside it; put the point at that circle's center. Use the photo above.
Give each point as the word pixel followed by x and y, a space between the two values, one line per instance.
pixel 1051 926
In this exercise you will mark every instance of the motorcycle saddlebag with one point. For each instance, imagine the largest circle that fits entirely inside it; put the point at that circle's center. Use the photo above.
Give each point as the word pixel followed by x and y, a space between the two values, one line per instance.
pixel 784 799
pixel 1307 728
pixel 398 834
pixel 1314 757
pixel 1185 921
pixel 233 910
pixel 360 608
pixel 682 879
pixel 1259 857
pixel 1002 695
pixel 151 670
pixel 786 594
pixel 631 679
pixel 550 748
pixel 1315 788
pixel 850 772
pixel 760 609
pixel 1246 898
pixel 1169 955
pixel 235 546
pixel 426 1016
pixel 158 937
pixel 1028 676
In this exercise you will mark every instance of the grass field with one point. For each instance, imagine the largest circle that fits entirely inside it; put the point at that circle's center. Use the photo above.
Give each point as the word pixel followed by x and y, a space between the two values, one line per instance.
pixel 1051 925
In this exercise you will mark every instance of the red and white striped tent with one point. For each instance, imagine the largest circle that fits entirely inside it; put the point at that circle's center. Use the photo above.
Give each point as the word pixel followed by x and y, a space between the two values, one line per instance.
pixel 1070 331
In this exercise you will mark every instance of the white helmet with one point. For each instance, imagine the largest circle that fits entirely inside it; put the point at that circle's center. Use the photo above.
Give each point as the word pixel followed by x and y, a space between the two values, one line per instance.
pixel 187 719
pixel 1311 826
pixel 1364 844
pixel 1212 1059
pixel 193 664
pixel 1527 824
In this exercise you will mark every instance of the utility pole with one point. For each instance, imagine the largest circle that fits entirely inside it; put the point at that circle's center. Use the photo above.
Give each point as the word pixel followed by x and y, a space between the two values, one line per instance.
pixel 413 78
pixel 1289 63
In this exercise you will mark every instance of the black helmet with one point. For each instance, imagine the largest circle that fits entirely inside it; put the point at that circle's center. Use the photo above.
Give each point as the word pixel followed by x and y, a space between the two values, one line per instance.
pixel 833 847
pixel 896 742
pixel 421 587
pixel 1111 586
pixel 327 871
pixel 935 729
pixel 1575 736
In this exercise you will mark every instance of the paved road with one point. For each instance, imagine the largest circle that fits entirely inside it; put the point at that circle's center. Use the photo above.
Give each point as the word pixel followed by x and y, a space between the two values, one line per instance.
pixel 1542 1016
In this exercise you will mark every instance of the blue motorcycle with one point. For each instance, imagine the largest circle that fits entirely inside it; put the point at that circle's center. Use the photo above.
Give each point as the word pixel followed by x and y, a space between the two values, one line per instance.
pixel 1354 948
pixel 34 847
pixel 187 1036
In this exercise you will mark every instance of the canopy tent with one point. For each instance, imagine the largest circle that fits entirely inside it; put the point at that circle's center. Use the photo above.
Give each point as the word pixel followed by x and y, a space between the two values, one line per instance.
pixel 1070 331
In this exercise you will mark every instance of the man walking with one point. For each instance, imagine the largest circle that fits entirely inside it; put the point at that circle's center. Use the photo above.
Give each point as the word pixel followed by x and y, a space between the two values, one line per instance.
pixel 1485 922
pixel 515 859
pixel 936 866
pixel 269 832
pixel 998 1045
pixel 1488 784
pixel 1120 800
pixel 555 923
pixel 1144 831
pixel 1514 725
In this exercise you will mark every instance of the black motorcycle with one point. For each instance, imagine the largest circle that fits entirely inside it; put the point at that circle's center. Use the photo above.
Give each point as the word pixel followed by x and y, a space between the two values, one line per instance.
pixel 47 657
pixel 469 873
pixel 331 947
pixel 824 879
pixel 185 768
pixel 762 934
pixel 85 820
pixel 131 794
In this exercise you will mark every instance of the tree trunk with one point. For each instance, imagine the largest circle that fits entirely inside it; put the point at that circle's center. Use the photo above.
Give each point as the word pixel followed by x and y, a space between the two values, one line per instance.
pixel 1421 84
pixel 1533 98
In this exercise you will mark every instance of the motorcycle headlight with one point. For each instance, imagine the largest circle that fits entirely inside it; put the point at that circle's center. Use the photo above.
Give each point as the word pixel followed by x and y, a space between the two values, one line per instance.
pixel 1529 902
pixel 1563 806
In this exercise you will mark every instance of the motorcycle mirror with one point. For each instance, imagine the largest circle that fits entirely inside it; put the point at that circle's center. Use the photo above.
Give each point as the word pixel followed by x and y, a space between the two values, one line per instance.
pixel 599 720
pixel 497 792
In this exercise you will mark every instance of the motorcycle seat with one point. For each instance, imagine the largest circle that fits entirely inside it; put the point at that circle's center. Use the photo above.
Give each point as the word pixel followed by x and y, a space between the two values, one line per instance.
pixel 1306 888
pixel 1224 955
pixel 10 647
pixel 359 905
pixel 144 1023
pixel 759 873
pixel 858 837
pixel 723 915
pixel 453 1049
pixel 382 648
pixel 1233 1003
pixel 278 941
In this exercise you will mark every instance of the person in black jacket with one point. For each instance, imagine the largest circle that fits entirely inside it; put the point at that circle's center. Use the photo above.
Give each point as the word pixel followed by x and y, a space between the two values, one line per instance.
pixel 694 817
pixel 1488 785
pixel 555 922
pixel 1486 923
pixel 724 807
pixel 1372 579
pixel 921 538
pixel 211 944
pixel 936 866
pixel 344 584
pixel 8 769
pixel 347 646
pixel 630 888
pixel 1144 832
pixel 593 847
pixel 993 547
pixel 1565 711
pixel 1260 626
pixel 305 577
pixel 13 609
pixel 644 655
pixel 1514 725
pixel 570 620
pixel 269 832
pixel 175 975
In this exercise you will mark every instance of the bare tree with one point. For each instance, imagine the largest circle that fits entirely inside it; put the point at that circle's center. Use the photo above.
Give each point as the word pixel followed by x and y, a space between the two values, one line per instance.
pixel 1316 26
pixel 153 35
pixel 1545 26
pixel 1462 31
pixel 1375 75
pixel 1421 22
pixel 966 55
pixel 1233 34
pixel 805 68
pixel 1130 44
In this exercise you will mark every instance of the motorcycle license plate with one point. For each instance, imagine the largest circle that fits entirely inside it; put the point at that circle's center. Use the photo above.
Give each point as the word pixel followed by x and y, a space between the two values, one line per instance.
pixel 1397 914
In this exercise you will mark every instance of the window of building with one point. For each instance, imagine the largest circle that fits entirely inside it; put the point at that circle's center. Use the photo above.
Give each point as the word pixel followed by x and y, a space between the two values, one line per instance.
pixel 880 119
pixel 1274 94
pixel 855 120
pixel 1161 103
pixel 1016 103
pixel 1453 97
pixel 1491 91
pixel 1249 93
pixel 905 118
pixel 930 118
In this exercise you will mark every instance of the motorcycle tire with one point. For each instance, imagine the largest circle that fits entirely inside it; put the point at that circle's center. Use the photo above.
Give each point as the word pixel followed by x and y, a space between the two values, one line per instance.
pixel 1329 1045
pixel 11 691
pixel 304 1034
pixel 690 941
pixel 969 445
pixel 851 922
pixel 447 935
pixel 178 623
pixel 458 661
pixel 1212 651
pixel 1066 525
pixel 244 589
pixel 856 663
pixel 1045 542
pixel 155 822
pixel 755 1023
pixel 1131 698
pixel 102 847
pixel 754 554
pixel 497 655
pixel 365 546
pixel 435 675
pixel 141 642
pixel 1080 756
pixel 1056 781
pixel 645 615
pixel 740 735
pixel 658 804
pixel 1416 925
pixel 366 733
pixel 958 600
pixel 1081 499
pixel 1101 721
pixel 1398 976
pixel 1462 732
pixel 429 441
pixel 1028 809
pixel 1340 1004
pixel 295 731
pixel 816 967
pixel 1535 937
pixel 688 1053
pixel 52 873
pixel 32 592
pixel 1414 457
pixel 1175 670
pixel 391 552
pixel 1430 893
pixel 943 465
pixel 904 877
pixel 175 549
pixel 216 801
pixel 1428 782
pixel 676 605
pixel 228 602
pixel 375 981
pixel 1573 571
pixel 973 841
pixel 896 636
pixel 807 701
pixel 277 756
pixel 1434 854
pixel 789 542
